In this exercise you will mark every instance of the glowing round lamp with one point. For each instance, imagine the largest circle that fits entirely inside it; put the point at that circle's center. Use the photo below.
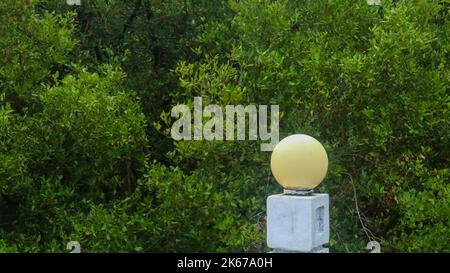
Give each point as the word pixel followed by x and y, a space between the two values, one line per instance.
pixel 299 162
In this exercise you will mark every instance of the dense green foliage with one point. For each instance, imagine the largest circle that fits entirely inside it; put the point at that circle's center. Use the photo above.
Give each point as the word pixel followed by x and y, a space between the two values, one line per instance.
pixel 86 93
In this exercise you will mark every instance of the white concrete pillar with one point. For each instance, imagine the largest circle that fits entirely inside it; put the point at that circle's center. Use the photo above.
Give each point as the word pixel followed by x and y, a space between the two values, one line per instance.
pixel 297 223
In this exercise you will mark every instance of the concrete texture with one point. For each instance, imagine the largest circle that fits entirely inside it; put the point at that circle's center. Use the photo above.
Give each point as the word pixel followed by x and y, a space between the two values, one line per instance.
pixel 298 223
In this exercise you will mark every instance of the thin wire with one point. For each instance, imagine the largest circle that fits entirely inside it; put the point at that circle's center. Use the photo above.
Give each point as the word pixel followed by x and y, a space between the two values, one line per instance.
pixel 371 237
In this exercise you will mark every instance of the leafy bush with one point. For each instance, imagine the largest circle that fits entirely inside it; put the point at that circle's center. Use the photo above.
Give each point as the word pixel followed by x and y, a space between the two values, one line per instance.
pixel 171 211
pixel 82 139
pixel 80 160
pixel 87 142
pixel 33 47
pixel 369 82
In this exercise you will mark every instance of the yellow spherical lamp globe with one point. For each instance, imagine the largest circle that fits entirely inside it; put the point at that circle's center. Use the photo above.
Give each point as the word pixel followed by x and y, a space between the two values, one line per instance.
pixel 299 162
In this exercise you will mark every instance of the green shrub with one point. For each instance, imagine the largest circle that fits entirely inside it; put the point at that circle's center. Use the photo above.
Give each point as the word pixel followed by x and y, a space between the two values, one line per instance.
pixel 369 82
pixel 33 47
pixel 88 142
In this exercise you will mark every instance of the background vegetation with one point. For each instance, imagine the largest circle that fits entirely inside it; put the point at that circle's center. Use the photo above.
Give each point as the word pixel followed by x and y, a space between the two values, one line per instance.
pixel 86 92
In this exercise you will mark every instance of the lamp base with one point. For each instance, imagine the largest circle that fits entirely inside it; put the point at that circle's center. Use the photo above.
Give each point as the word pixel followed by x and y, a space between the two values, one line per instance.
pixel 297 223
pixel 297 192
